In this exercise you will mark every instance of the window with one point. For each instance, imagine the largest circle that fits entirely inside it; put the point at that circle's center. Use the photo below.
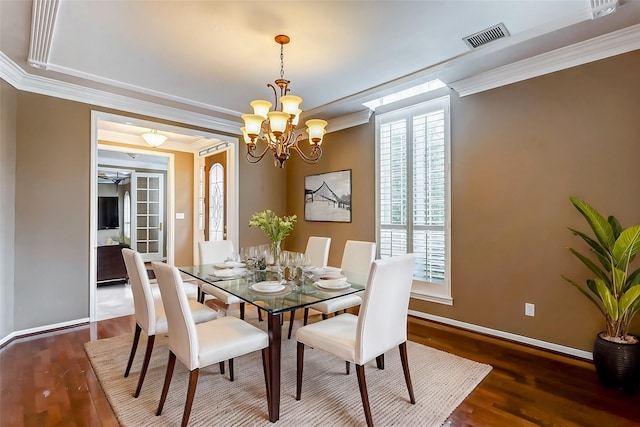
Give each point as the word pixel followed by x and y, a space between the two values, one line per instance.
pixel 216 202
pixel 201 198
pixel 413 192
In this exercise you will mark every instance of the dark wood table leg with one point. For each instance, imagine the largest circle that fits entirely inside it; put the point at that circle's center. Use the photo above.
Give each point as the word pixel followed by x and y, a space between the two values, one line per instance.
pixel 275 343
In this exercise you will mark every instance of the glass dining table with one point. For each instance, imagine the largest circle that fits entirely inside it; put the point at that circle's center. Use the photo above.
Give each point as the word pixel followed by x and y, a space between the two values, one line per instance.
pixel 296 294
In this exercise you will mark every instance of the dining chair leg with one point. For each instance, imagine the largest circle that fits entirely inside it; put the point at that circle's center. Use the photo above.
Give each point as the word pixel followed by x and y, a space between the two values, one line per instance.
pixel 231 369
pixel 191 391
pixel 292 317
pixel 299 370
pixel 306 316
pixel 265 364
pixel 167 381
pixel 242 310
pixel 380 361
pixel 221 364
pixel 134 346
pixel 405 368
pixel 363 393
pixel 145 364
pixel 348 367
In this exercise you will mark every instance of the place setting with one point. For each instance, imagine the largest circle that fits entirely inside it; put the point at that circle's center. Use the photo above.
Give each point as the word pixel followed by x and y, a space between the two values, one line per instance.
pixel 332 282
pixel 271 288
pixel 228 269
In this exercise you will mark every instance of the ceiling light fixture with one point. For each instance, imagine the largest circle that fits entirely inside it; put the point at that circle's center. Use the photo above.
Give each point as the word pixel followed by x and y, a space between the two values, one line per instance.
pixel 276 128
pixel 154 138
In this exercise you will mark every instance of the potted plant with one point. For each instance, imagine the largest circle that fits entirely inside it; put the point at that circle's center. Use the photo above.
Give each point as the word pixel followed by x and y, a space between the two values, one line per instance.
pixel 615 291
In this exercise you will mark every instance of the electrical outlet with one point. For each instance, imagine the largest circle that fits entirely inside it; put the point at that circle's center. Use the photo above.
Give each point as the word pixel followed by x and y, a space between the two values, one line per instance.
pixel 529 309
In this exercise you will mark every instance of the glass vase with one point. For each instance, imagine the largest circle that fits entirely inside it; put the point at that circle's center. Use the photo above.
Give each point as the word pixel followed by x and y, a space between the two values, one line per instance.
pixel 275 253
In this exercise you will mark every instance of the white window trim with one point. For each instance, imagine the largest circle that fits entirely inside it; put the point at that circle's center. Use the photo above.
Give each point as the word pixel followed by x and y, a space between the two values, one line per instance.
pixel 422 290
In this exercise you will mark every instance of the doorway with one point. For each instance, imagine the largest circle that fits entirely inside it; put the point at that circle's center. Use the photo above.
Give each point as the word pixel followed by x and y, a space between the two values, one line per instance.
pixel 125 133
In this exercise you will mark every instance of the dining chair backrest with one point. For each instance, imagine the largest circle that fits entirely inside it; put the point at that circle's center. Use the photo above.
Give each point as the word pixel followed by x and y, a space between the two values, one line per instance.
pixel 143 301
pixel 382 319
pixel 214 251
pixel 356 260
pixel 183 338
pixel 318 250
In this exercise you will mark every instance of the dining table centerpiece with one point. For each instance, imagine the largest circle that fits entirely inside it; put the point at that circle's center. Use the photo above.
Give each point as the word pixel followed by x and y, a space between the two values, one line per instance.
pixel 275 227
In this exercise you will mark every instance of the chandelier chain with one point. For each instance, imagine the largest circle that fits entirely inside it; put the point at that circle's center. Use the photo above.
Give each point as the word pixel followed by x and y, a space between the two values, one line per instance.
pixel 281 60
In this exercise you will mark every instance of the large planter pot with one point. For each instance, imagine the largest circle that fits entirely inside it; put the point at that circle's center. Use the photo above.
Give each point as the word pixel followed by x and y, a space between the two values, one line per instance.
pixel 617 365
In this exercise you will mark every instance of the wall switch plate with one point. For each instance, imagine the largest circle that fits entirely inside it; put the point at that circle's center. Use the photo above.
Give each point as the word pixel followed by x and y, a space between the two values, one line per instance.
pixel 529 309
pixel 179 215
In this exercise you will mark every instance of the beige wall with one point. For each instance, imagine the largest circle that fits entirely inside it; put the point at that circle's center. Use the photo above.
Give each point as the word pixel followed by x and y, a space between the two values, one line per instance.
pixel 347 149
pixel 52 211
pixel 262 186
pixel 518 152
pixel 8 114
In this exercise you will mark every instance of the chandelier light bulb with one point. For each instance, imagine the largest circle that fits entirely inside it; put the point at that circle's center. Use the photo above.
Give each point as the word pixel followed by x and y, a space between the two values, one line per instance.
pixel 261 107
pixel 290 104
pixel 154 138
pixel 316 130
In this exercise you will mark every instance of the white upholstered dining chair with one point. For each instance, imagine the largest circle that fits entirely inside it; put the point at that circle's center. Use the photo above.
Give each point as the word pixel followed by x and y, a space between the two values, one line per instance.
pixel 212 252
pixel 367 336
pixel 357 257
pixel 150 316
pixel 201 345
pixel 317 252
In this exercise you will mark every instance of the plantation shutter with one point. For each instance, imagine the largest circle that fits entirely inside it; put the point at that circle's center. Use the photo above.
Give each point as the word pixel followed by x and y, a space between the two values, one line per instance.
pixel 412 187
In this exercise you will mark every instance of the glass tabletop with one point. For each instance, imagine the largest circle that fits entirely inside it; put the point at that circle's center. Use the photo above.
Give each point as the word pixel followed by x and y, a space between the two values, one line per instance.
pixel 299 293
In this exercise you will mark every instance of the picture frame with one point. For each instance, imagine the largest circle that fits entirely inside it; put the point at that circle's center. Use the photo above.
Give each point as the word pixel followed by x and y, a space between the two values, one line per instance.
pixel 327 197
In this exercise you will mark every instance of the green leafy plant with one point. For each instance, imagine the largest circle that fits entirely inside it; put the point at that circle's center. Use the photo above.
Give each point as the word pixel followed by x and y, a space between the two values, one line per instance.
pixel 275 227
pixel 614 289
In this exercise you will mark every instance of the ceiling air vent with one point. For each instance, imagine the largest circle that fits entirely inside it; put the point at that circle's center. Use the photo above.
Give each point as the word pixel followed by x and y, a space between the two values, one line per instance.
pixel 485 36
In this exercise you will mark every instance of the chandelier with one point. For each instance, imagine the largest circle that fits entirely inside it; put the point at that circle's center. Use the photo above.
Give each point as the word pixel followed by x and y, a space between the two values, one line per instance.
pixel 276 129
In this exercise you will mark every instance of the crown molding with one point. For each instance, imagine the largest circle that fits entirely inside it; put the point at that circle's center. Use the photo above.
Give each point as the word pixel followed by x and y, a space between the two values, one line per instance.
pixel 605 46
pixel 21 80
pixel 349 120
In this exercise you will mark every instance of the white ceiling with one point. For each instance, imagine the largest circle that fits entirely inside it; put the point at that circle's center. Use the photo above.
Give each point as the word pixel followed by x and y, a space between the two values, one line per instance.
pixel 214 57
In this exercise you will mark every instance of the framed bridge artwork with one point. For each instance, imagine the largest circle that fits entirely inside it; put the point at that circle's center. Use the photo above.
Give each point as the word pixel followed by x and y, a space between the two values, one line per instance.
pixel 327 197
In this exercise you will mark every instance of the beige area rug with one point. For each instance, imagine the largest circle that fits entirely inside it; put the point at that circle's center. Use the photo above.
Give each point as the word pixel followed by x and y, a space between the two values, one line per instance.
pixel 441 382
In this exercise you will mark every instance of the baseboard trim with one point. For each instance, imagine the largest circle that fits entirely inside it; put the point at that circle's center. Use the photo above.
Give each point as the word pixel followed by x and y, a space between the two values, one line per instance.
pixel 41 329
pixel 506 335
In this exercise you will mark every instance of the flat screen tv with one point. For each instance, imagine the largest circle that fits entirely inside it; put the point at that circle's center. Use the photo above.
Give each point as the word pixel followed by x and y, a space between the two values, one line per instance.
pixel 108 212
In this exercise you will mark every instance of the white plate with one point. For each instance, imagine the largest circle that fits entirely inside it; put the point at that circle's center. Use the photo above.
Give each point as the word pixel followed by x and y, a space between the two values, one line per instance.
pixel 268 287
pixel 333 284
pixel 226 273
pixel 228 264
pixel 326 271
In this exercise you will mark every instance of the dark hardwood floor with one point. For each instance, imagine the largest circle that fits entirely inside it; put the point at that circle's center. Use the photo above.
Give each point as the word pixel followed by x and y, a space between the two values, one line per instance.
pixel 47 380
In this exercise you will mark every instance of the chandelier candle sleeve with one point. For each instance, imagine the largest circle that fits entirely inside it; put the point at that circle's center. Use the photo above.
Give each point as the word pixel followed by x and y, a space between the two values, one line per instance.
pixel 276 128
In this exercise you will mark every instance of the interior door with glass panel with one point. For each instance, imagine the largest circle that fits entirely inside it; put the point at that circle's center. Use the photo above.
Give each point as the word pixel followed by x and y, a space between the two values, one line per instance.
pixel 147 238
pixel 215 224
